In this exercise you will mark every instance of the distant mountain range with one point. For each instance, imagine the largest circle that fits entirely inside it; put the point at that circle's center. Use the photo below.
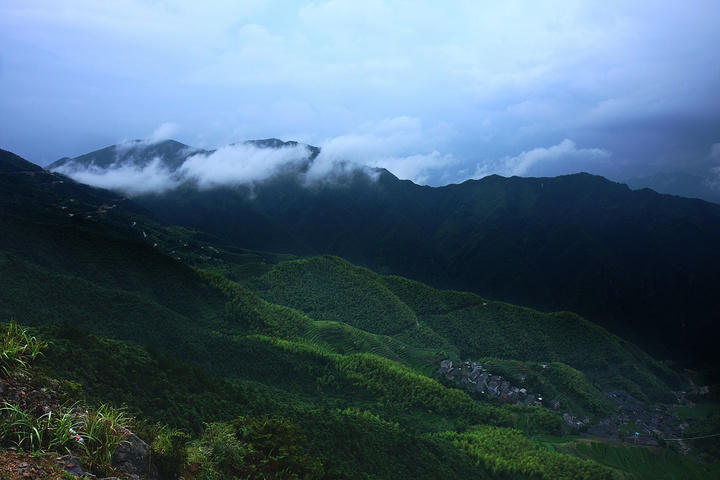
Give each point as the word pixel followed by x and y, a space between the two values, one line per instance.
pixel 640 263
pixel 681 184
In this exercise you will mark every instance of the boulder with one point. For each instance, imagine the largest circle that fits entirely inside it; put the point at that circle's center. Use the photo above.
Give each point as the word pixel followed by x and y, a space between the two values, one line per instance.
pixel 133 456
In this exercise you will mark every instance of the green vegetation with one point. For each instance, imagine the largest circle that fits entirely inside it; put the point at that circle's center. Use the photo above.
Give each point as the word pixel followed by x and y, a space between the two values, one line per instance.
pixel 640 463
pixel 170 452
pixel 365 395
pixel 102 430
pixel 704 434
pixel 93 434
pixel 628 260
pixel 331 289
pixel 505 452
pixel 255 448
pixel 18 350
pixel 234 363
pixel 49 431
pixel 462 325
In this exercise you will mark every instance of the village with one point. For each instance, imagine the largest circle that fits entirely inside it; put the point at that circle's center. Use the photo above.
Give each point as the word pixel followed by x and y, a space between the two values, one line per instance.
pixel 632 423
pixel 474 377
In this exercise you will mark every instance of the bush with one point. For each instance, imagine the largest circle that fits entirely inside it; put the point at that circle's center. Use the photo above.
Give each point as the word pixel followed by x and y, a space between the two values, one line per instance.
pixel 18 350
pixel 170 453
pixel 50 431
pixel 218 452
pixel 254 448
pixel 101 431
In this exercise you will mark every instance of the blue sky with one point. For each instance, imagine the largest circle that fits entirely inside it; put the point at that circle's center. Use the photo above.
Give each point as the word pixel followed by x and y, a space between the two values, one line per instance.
pixel 435 91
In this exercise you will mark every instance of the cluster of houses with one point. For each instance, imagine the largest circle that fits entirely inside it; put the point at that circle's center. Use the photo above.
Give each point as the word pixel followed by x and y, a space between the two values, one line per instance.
pixel 647 426
pixel 474 377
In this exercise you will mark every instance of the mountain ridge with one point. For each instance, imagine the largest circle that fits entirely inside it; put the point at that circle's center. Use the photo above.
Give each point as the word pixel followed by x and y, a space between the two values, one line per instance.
pixel 629 260
pixel 680 184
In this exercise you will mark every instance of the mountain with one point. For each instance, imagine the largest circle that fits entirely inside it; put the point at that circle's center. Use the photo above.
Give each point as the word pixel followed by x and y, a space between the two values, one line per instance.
pixel 336 363
pixel 136 153
pixel 679 183
pixel 640 263
pixel 139 153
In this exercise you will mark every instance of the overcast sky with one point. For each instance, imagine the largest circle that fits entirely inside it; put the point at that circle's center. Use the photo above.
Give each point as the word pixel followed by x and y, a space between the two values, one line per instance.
pixel 435 91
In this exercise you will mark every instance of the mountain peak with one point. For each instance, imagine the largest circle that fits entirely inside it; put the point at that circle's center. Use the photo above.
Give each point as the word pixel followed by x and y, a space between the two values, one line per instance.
pixel 138 153
pixel 144 166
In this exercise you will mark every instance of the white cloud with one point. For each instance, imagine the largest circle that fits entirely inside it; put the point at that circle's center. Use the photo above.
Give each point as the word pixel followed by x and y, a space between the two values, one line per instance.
pixel 507 75
pixel 414 167
pixel 241 163
pixel 237 164
pixel 539 160
pixel 127 178
pixel 164 132
pixel 399 144
pixel 713 180
pixel 715 151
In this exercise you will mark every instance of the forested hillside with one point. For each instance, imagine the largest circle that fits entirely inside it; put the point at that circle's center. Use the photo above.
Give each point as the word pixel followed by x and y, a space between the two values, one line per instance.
pixel 242 354
pixel 639 263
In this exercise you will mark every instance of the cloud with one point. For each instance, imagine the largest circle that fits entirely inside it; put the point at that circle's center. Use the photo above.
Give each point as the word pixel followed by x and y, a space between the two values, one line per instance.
pixel 134 147
pixel 508 75
pixel 543 161
pixel 414 167
pixel 232 165
pixel 713 180
pixel 128 178
pixel 715 151
pixel 242 164
pixel 400 144
pixel 164 132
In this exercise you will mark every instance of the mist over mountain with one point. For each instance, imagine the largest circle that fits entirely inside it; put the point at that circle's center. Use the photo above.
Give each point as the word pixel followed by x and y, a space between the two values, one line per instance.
pixel 147 166
pixel 640 263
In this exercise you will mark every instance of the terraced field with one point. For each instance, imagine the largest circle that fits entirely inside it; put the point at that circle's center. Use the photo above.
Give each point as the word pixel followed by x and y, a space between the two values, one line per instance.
pixel 642 463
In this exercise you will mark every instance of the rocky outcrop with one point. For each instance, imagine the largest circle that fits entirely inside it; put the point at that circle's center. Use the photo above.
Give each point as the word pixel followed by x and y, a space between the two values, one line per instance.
pixel 39 397
pixel 133 456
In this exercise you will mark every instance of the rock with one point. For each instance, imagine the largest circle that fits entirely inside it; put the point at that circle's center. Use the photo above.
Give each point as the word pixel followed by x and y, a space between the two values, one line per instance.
pixel 133 456
pixel 72 465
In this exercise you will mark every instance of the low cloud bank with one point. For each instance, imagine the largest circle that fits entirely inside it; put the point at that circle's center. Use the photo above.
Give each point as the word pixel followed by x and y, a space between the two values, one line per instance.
pixel 242 164
pixel 543 161
pixel 148 166
pixel 127 178
pixel 393 143
pixel 238 164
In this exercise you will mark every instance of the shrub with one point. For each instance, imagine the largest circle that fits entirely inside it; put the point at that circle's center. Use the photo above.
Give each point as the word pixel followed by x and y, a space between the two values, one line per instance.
pixel 218 453
pixel 254 448
pixel 50 431
pixel 101 431
pixel 18 349
pixel 170 453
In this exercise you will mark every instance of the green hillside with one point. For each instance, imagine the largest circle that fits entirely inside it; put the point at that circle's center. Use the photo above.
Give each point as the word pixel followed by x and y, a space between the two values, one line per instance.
pixel 631 261
pixel 330 362
pixel 329 288
pixel 462 324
